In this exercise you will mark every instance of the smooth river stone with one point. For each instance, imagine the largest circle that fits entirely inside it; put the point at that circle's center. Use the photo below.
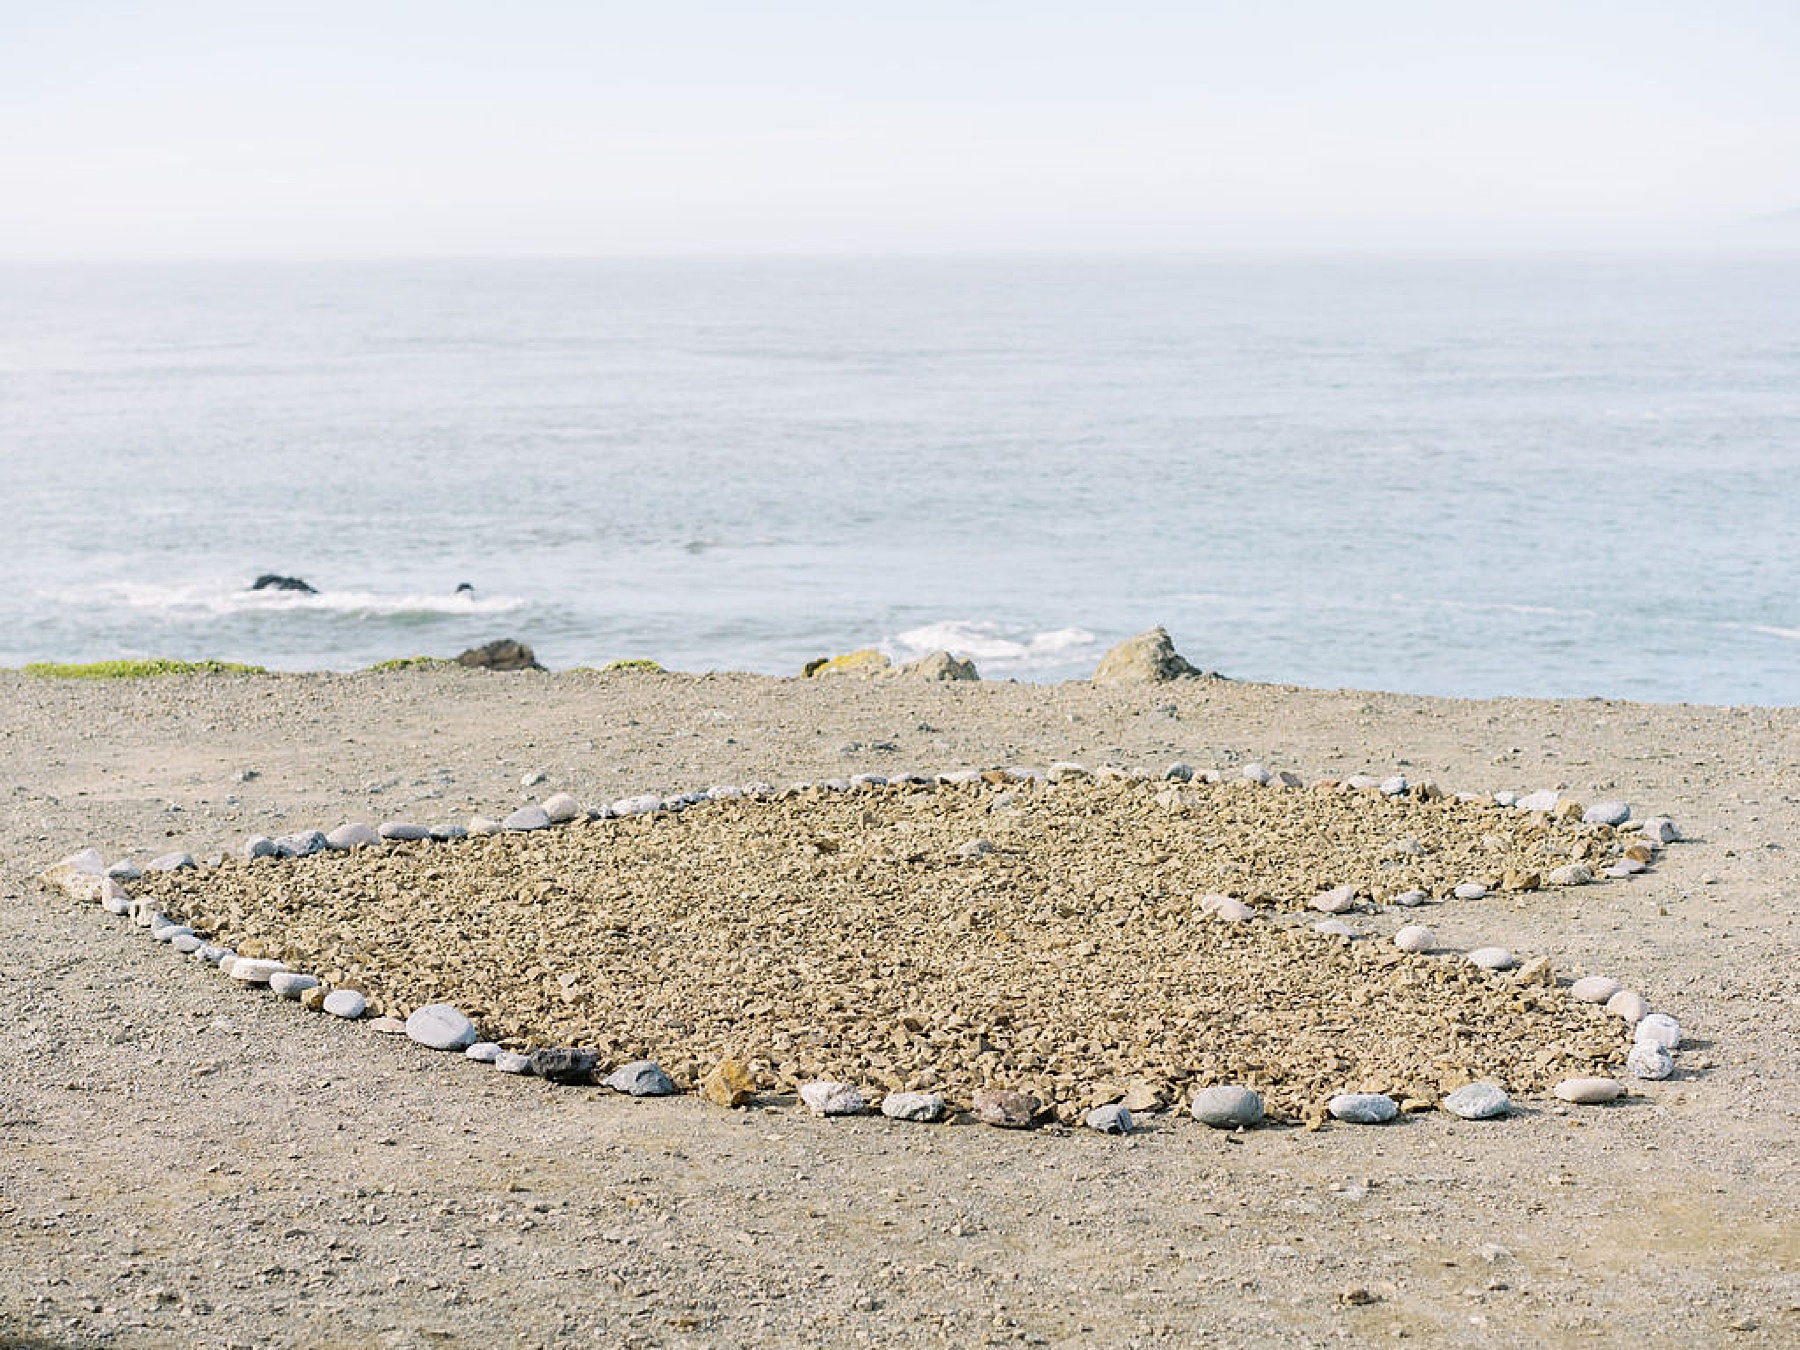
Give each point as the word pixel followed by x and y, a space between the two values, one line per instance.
pixel 1606 813
pixel 641 1078
pixel 1539 801
pixel 644 804
pixel 1470 890
pixel 402 831
pixel 1113 1119
pixel 561 808
pixel 187 943
pixel 1338 900
pixel 833 1099
pixel 291 983
pixel 1628 1005
pixel 1589 1091
pixel 1479 1101
pixel 251 970
pixel 1650 1059
pixel 1411 899
pixel 1363 1108
pixel 484 1052
pixel 1594 988
pixel 356 834
pixel 921 1106
pixel 1415 937
pixel 526 818
pixel 1659 1027
pixel 569 1064
pixel 1227 1107
pixel 441 1027
pixel 346 1003
pixel 1491 958
pixel 1573 874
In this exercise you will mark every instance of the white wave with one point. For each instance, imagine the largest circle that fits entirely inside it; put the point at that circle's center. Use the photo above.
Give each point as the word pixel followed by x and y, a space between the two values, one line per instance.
pixel 994 648
pixel 1792 634
pixel 204 601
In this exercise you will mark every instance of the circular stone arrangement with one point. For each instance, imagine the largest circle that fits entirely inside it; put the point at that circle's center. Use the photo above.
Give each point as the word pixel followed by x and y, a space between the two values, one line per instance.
pixel 1027 946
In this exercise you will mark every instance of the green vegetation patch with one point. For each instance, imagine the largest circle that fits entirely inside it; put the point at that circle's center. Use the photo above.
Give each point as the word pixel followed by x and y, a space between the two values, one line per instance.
pixel 412 663
pixel 135 670
pixel 633 663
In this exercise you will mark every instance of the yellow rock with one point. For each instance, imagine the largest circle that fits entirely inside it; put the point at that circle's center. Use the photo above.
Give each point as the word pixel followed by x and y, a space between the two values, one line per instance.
pixel 867 661
pixel 729 1084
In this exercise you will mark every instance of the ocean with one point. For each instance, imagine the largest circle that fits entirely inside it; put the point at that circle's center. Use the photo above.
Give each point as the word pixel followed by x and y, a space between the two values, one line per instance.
pixel 1476 477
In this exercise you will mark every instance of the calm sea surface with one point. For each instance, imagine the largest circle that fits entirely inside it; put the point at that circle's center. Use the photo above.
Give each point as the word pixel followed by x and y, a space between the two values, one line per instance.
pixel 1548 477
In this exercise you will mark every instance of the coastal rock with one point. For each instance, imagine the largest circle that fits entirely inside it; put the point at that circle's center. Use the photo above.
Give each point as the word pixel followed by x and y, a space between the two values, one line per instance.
pixel 940 666
pixel 402 831
pixel 290 984
pixel 833 1099
pixel 920 1106
pixel 1589 1091
pixel 561 808
pixel 525 819
pixel 1338 900
pixel 865 661
pixel 641 1078
pixel 171 862
pixel 1227 1106
pixel 1650 1060
pixel 357 834
pixel 441 1027
pixel 302 844
pixel 1479 1101
pixel 501 654
pixel 1113 1119
pixel 1363 1108
pixel 1415 937
pixel 1491 958
pixel 348 1004
pixel 1148 658
pixel 1659 1028
pixel 1629 1006
pixel 1594 988
pixel 1606 813
pixel 567 1064
pixel 1005 1108
pixel 259 846
pixel 729 1084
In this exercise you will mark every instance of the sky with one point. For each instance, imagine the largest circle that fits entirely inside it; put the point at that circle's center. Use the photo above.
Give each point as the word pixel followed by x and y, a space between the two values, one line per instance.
pixel 407 128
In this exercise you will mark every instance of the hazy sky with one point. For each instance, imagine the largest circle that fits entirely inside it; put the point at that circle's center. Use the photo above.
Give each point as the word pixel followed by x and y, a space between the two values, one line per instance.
pixel 433 127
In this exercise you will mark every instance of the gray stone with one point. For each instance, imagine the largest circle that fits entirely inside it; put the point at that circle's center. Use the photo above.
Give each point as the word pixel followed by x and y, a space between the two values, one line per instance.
pixel 1539 801
pixel 260 846
pixel 187 943
pixel 356 834
pixel 569 1064
pixel 441 1027
pixel 1606 813
pixel 1411 899
pixel 483 826
pixel 644 804
pixel 171 862
pixel 1660 830
pixel 1257 773
pixel 920 1106
pixel 1658 1027
pixel 526 818
pixel 833 1099
pixel 974 848
pixel 1363 1108
pixel 251 970
pixel 168 932
pixel 114 899
pixel 509 1061
pixel 303 844
pixel 533 778
pixel 641 1078
pixel 1395 786
pixel 1629 1006
pixel 445 833
pixel 561 808
pixel 867 780
pixel 1470 890
pixel 1479 1101
pixel 1337 900
pixel 1506 799
pixel 484 1052
pixel 291 983
pixel 1113 1119
pixel 1227 1107
pixel 346 1003
pixel 1148 658
pixel 1067 771
pixel 125 870
pixel 402 831
pixel 212 953
pixel 1179 772
pixel 1361 782
pixel 1649 1060
pixel 1571 874
pixel 1335 928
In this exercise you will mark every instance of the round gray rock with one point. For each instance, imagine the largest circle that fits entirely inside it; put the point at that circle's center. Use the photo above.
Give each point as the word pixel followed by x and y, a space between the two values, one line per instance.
pixel 922 1106
pixel 641 1078
pixel 346 1003
pixel 833 1099
pixel 1479 1101
pixel 1113 1119
pixel 291 983
pixel 1363 1108
pixel 526 818
pixel 357 834
pixel 402 831
pixel 484 1052
pixel 1228 1107
pixel 441 1027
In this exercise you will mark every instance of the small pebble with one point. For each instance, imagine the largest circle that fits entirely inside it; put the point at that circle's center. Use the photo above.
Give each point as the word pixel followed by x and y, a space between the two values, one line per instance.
pixel 526 818
pixel 1363 1108
pixel 482 826
pixel 1113 1119
pixel 356 834
pixel 291 983
pixel 510 1061
pixel 346 1003
pixel 1415 937
pixel 402 831
pixel 1411 899
pixel 833 1099
pixel 641 1078
pixel 1338 900
pixel 1470 890
pixel 1594 988
pixel 561 808
pixel 1227 1106
pixel 1589 1091
pixel 441 1027
pixel 1539 801
pixel 1659 1027
pixel 484 1052
pixel 1479 1101
pixel 921 1106
pixel 1232 910
pixel 1395 786
pixel 1491 958
pixel 1179 772
pixel 1606 813
pixel 212 953
pixel 1651 1060
pixel 168 932
pixel 1629 1005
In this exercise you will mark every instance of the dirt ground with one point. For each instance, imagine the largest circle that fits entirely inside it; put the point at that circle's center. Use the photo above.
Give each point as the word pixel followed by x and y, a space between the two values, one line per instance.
pixel 183 1163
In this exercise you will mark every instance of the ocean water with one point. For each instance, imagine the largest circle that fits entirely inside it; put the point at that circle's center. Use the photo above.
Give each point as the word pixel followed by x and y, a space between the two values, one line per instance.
pixel 1564 477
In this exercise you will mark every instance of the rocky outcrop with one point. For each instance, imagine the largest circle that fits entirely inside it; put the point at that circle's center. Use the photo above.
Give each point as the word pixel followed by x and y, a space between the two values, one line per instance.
pixel 1148 658
pixel 501 654
pixel 270 581
pixel 868 661
pixel 940 666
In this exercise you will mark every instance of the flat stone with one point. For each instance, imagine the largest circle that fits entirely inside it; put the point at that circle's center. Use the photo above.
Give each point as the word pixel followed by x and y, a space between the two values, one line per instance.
pixel 641 1078
pixel 1415 937
pixel 1470 890
pixel 1411 899
pixel 526 818
pixel 302 844
pixel 561 808
pixel 1005 1108
pixel 1395 786
pixel 1363 1108
pixel 1538 801
pixel 259 846
pixel 445 833
pixel 1650 1060
pixel 483 826
pixel 1479 1101
pixel 1337 900
pixel 484 1052
pixel 346 1003
pixel 1628 1005
pixel 1589 1091
pixel 170 862
pixel 402 831
pixel 920 1106
pixel 570 1064
pixel 388 1026
pixel 251 970
pixel 645 804
pixel 1606 813
pixel 291 983
pixel 125 870
pixel 356 834
pixel 1113 1119
pixel 1658 1027
pixel 1491 958
pixel 833 1099
pixel 1227 1106
pixel 1335 928
pixel 441 1027
pixel 1594 988
pixel 510 1061
pixel 187 943
pixel 1362 782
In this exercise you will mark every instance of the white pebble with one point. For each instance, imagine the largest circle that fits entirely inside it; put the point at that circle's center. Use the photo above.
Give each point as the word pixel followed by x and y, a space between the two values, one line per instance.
pixel 1629 1005
pixel 1337 900
pixel 1594 988
pixel 1658 1027
pixel 526 818
pixel 346 1003
pixel 1589 1091
pixel 1233 911
pixel 644 804
pixel 441 1027
pixel 1411 899
pixel 291 983
pixel 484 1052
pixel 1470 890
pixel 1363 1108
pixel 1606 813
pixel 1415 937
pixel 1650 1060
pixel 356 834
pixel 509 1061
pixel 1661 830
pixel 1395 786
pixel 1546 800
pixel 1257 773
pixel 1492 958
pixel 252 970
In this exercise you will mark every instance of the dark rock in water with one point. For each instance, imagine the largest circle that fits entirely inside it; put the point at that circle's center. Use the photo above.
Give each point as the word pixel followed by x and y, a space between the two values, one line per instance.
pixel 501 654
pixel 270 581
pixel 465 588
pixel 564 1064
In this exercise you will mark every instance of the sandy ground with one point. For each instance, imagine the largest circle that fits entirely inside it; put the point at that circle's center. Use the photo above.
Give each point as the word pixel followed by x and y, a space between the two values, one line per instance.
pixel 182 1163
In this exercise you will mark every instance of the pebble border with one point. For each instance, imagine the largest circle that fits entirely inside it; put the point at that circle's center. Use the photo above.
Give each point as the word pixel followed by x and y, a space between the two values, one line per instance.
pixel 1656 1035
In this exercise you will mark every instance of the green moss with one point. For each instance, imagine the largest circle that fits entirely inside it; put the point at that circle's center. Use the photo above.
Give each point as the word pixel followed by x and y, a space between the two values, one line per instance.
pixel 135 670
pixel 412 663
pixel 634 663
